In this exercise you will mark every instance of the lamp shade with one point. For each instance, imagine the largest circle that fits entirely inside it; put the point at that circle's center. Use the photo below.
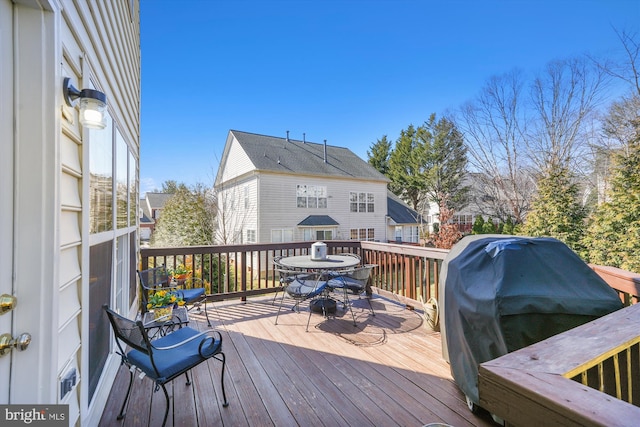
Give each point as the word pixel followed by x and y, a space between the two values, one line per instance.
pixel 92 113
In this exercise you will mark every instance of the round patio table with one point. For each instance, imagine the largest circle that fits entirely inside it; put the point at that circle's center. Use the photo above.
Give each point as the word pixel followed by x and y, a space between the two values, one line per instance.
pixel 332 262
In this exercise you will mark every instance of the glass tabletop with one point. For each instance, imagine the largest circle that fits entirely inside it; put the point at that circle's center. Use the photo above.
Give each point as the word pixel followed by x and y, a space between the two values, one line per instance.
pixel 331 262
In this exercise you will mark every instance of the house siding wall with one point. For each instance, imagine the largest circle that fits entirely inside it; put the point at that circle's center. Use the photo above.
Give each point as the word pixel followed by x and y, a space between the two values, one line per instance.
pixel 236 216
pixel 237 163
pixel 278 208
pixel 100 47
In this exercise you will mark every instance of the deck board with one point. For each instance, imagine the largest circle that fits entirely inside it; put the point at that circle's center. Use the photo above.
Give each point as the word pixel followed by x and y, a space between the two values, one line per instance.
pixel 388 370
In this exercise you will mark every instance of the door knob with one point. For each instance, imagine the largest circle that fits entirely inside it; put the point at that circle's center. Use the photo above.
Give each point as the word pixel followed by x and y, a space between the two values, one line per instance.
pixel 7 342
pixel 7 303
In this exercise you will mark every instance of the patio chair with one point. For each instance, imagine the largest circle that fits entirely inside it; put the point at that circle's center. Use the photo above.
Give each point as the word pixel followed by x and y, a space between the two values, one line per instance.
pixel 155 279
pixel 355 281
pixel 301 286
pixel 166 358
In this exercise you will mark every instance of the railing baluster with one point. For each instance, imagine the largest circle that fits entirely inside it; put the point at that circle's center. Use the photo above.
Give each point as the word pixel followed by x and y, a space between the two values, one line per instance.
pixel 616 372
pixel 600 377
pixel 629 377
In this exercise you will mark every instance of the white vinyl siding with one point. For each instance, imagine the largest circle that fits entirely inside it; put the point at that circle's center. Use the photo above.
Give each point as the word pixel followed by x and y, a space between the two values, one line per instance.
pixel 100 44
pixel 237 204
pixel 237 162
pixel 277 206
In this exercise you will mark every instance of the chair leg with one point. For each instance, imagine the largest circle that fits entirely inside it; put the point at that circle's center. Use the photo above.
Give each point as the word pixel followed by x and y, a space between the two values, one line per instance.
pixel 186 374
pixel 225 402
pixel 122 412
pixel 206 313
pixel 373 313
pixel 309 318
pixel 346 297
pixel 280 307
pixel 166 411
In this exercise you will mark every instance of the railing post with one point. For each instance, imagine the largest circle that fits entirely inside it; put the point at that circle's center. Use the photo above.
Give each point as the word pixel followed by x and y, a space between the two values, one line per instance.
pixel 243 274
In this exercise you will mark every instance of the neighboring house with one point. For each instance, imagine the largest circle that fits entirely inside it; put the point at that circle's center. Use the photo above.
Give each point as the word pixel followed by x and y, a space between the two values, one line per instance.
pixel 147 223
pixel 404 224
pixel 69 213
pixel 150 208
pixel 273 189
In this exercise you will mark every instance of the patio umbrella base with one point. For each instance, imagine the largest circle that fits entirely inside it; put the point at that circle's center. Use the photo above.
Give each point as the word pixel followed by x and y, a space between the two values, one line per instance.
pixel 328 304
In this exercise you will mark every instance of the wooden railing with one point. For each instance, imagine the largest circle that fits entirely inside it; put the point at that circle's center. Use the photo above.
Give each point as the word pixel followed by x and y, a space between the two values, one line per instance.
pixel 587 376
pixel 232 271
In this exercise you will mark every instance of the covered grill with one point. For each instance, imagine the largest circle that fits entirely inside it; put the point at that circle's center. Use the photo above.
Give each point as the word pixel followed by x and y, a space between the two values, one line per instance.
pixel 501 293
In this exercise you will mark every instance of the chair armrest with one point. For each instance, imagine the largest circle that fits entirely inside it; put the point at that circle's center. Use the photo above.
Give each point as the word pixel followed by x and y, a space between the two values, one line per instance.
pixel 191 338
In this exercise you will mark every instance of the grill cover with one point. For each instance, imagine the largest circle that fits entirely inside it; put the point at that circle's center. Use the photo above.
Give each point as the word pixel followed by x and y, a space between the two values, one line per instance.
pixel 501 293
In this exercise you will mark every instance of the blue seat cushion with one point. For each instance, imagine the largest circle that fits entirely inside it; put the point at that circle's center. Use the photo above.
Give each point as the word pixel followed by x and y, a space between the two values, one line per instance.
pixel 190 295
pixel 176 360
pixel 346 281
pixel 305 288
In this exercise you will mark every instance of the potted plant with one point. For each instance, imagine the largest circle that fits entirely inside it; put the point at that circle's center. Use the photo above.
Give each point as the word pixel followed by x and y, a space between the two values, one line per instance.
pixel 162 303
pixel 180 272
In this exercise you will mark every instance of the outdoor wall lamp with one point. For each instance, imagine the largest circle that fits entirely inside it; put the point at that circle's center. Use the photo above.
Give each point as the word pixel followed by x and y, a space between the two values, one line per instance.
pixel 93 104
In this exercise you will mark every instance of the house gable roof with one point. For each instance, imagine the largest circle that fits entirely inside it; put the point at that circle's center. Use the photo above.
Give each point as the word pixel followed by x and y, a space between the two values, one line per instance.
pixel 268 153
pixel 146 215
pixel 157 200
pixel 317 220
pixel 400 212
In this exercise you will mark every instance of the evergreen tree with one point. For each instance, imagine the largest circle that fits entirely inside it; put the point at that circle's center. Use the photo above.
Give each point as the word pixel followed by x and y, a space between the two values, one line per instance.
pixel 379 155
pixel 446 157
pixel 556 211
pixel 613 237
pixel 478 225
pixel 187 219
pixel 508 226
pixel 488 227
pixel 171 186
pixel 407 168
pixel 427 162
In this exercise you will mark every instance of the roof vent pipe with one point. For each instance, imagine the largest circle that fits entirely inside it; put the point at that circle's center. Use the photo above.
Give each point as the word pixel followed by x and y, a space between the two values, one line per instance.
pixel 287 136
pixel 304 137
pixel 325 151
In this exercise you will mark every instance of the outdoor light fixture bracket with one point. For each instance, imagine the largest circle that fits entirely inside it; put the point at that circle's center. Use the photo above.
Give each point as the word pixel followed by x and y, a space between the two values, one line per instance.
pixel 93 104
pixel 71 93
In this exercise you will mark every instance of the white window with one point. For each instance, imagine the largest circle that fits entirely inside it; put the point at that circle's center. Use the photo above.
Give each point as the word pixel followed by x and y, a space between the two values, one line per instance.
pixel 362 234
pixel 251 236
pixel 361 202
pixel 317 234
pixel 311 196
pixel 246 197
pixel 398 235
pixel 414 234
pixel 281 235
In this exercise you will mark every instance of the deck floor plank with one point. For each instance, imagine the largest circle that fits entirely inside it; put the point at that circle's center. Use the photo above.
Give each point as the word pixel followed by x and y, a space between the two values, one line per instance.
pixel 388 370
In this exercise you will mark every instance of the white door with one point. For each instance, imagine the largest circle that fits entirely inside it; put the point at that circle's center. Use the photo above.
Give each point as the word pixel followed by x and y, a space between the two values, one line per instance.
pixel 6 181
pixel 26 193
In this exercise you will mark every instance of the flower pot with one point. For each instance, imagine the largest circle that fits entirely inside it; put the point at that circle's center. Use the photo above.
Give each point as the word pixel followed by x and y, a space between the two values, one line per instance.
pixel 431 314
pixel 162 314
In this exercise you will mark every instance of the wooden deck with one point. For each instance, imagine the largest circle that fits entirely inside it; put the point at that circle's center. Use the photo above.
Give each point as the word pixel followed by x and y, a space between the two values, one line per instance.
pixel 387 371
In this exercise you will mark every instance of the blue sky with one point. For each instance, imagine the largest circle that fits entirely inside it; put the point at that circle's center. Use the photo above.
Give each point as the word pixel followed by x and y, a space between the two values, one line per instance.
pixel 348 71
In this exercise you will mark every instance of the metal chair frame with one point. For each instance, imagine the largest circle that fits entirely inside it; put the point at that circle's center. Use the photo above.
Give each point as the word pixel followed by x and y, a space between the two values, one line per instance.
pixel 155 279
pixel 163 363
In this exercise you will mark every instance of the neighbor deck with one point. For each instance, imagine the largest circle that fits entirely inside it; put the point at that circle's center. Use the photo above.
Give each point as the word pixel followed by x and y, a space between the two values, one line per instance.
pixel 387 371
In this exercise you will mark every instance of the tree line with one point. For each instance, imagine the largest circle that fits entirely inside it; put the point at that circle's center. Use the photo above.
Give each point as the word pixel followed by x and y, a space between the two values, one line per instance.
pixel 544 155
